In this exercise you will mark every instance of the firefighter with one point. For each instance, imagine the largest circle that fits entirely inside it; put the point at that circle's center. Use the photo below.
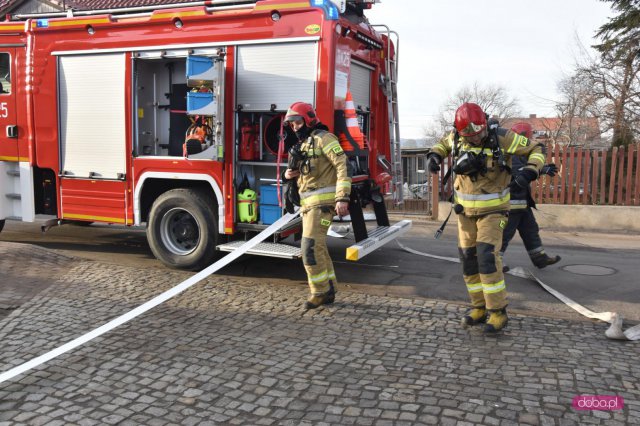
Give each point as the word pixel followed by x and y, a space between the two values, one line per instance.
pixel 521 217
pixel 324 188
pixel 481 166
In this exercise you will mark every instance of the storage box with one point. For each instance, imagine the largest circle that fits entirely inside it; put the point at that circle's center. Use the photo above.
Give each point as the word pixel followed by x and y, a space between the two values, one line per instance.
pixel 198 100
pixel 198 64
pixel 269 195
pixel 269 214
pixel 201 70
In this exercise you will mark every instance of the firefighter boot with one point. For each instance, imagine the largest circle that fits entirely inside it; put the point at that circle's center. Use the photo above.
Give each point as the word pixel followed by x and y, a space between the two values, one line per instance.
pixel 542 260
pixel 331 294
pixel 474 316
pixel 316 300
pixel 497 320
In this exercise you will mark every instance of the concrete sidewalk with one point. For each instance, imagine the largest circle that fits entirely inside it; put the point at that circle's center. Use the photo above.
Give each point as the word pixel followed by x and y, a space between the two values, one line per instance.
pixel 230 351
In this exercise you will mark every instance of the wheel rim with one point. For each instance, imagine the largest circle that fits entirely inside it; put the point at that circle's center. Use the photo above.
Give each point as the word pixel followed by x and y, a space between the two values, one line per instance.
pixel 179 231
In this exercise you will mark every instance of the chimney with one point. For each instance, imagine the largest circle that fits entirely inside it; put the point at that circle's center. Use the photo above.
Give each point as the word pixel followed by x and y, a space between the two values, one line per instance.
pixel 532 116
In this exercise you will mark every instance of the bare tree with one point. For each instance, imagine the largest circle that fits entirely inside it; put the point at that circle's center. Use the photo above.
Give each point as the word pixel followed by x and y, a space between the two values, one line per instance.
pixel 614 83
pixel 493 99
pixel 578 109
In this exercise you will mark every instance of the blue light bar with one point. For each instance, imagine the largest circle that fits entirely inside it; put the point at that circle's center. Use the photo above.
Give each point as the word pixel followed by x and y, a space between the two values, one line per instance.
pixel 331 11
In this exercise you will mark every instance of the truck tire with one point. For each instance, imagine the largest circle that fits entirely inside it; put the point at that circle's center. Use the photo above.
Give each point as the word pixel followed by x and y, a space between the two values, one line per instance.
pixel 182 229
pixel 1 224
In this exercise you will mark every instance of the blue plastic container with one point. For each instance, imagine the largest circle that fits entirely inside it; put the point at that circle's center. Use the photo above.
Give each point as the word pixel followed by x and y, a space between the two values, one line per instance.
pixel 198 65
pixel 269 214
pixel 198 100
pixel 269 195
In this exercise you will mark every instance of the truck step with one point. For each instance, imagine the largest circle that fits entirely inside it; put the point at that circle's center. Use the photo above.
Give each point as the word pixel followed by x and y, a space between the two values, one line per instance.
pixel 377 238
pixel 283 251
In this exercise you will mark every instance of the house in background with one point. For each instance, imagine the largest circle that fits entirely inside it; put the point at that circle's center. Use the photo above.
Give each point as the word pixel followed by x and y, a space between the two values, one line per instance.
pixel 576 131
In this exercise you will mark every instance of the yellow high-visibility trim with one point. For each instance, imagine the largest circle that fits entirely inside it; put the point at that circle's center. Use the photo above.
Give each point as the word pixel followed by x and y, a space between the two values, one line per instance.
pixel 13 159
pixel 494 288
pixel 100 218
pixel 74 22
pixel 328 147
pixel 519 139
pixel 536 156
pixel 352 253
pixel 166 15
pixel 318 278
pixel 518 206
pixel 343 184
pixel 313 199
pixel 282 5
pixel 11 27
pixel 474 288
pixel 482 203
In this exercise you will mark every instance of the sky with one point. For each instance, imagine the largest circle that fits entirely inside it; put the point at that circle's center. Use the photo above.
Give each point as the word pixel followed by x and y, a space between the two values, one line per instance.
pixel 525 46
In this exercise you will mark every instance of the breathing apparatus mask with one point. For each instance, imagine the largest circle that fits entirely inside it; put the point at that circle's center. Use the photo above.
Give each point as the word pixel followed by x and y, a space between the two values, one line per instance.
pixel 297 158
pixel 470 164
pixel 303 133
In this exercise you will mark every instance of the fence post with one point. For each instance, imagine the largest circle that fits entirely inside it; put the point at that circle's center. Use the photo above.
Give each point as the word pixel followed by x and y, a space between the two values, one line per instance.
pixel 603 177
pixel 637 191
pixel 435 194
pixel 612 175
pixel 587 177
pixel 578 175
pixel 628 189
pixel 594 186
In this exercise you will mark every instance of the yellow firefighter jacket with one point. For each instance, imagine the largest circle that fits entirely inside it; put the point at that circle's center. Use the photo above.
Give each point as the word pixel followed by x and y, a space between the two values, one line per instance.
pixel 488 192
pixel 324 180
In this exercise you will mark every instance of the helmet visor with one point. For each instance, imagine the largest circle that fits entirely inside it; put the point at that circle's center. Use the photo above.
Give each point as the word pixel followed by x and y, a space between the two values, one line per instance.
pixel 472 129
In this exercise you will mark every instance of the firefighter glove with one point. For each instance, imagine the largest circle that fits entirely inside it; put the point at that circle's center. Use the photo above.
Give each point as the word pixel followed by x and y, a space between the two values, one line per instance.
pixel 433 162
pixel 549 169
pixel 522 179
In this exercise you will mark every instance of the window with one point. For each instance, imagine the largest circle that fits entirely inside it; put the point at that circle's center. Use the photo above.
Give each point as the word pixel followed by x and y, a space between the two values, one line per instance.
pixel 5 72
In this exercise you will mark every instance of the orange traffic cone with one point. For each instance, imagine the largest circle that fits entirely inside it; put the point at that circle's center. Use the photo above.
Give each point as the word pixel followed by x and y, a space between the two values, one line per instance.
pixel 351 138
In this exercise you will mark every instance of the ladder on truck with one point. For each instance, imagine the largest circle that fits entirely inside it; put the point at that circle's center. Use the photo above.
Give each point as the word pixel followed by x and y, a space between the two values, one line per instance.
pixel 391 90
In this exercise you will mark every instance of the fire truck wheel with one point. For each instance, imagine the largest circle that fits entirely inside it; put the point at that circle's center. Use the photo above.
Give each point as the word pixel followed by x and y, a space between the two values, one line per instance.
pixel 182 230
pixel 1 225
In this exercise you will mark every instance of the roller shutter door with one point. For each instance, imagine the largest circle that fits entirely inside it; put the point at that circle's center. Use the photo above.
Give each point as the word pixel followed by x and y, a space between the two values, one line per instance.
pixel 92 115
pixel 279 74
pixel 360 85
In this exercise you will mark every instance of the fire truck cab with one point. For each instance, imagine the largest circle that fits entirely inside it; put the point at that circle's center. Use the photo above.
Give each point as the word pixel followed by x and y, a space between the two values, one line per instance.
pixel 161 117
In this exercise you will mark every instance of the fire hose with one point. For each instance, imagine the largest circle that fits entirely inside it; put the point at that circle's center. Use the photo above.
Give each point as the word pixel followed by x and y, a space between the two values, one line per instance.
pixel 613 332
pixel 163 297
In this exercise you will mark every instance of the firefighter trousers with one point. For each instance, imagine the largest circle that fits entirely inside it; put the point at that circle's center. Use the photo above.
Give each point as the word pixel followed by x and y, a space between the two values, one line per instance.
pixel 315 255
pixel 523 221
pixel 479 240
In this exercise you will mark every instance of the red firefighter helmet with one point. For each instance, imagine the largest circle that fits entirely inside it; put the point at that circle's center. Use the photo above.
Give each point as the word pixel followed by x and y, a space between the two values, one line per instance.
pixel 302 111
pixel 523 129
pixel 470 119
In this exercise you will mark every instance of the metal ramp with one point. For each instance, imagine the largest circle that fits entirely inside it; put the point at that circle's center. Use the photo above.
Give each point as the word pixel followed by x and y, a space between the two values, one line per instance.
pixel 391 90
pixel 377 238
pixel 283 251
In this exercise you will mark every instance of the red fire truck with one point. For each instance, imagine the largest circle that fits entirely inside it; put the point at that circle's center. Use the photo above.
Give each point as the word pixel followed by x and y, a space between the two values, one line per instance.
pixel 156 115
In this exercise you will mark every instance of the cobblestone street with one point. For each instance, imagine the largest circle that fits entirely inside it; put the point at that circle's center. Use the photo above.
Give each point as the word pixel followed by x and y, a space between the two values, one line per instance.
pixel 230 351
